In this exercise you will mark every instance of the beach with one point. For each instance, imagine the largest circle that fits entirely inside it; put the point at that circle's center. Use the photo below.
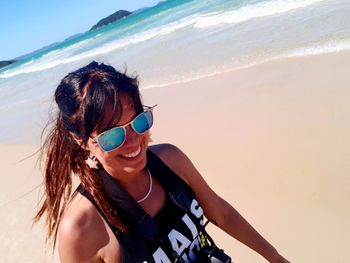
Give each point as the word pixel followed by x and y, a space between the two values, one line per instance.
pixel 271 139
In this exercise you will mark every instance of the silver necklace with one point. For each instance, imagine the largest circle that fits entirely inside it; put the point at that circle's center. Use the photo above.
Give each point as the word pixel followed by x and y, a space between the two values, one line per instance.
pixel 149 189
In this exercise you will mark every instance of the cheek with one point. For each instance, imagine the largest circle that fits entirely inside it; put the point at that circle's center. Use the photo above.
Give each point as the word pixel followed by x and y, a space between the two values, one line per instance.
pixel 106 159
pixel 96 151
pixel 146 137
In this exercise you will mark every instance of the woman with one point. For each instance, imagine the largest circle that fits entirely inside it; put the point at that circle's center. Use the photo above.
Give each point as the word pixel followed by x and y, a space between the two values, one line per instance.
pixel 135 203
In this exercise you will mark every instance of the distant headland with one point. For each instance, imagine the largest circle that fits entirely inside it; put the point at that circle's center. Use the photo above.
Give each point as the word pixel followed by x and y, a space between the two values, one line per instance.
pixel 111 18
pixel 103 22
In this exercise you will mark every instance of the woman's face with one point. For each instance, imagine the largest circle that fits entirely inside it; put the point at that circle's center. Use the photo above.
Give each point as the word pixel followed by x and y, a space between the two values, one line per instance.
pixel 130 158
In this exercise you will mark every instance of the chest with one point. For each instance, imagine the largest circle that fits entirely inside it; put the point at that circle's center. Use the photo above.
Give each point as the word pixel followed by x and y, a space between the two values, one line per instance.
pixel 155 201
pixel 178 225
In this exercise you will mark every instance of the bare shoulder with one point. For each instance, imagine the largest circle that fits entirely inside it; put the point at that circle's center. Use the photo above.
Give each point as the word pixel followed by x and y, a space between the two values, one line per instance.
pixel 84 236
pixel 174 158
pixel 177 161
pixel 166 151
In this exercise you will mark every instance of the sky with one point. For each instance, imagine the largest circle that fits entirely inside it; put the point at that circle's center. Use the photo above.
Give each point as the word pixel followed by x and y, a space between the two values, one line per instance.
pixel 28 25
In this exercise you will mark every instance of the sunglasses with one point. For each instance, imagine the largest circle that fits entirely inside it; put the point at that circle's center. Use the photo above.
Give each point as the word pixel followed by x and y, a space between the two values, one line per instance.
pixel 115 137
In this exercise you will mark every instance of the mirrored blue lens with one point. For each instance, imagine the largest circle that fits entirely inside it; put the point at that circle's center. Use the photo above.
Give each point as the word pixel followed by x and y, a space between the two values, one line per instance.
pixel 112 138
pixel 115 137
pixel 143 122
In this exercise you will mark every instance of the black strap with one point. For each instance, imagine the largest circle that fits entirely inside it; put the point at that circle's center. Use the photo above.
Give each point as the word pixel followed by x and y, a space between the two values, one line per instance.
pixel 142 222
pixel 171 182
pixel 137 218
pixel 89 196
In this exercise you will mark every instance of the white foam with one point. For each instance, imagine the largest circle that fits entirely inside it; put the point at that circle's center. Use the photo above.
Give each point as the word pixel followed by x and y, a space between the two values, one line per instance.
pixel 51 53
pixel 27 63
pixel 47 61
pixel 249 12
pixel 321 48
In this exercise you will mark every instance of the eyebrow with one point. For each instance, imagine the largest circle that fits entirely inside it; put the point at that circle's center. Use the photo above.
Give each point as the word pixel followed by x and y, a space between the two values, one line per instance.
pixel 113 122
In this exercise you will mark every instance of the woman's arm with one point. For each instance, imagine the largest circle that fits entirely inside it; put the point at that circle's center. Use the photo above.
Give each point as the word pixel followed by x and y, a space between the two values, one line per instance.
pixel 84 236
pixel 215 208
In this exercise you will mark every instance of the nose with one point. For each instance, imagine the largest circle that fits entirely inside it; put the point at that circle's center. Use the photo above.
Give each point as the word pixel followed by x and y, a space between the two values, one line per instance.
pixel 131 136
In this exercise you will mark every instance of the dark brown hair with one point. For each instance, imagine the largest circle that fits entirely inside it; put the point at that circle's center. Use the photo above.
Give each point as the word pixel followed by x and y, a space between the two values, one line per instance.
pixel 81 98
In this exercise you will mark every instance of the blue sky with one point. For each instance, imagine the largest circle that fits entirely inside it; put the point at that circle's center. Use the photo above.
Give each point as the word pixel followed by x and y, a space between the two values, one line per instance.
pixel 27 25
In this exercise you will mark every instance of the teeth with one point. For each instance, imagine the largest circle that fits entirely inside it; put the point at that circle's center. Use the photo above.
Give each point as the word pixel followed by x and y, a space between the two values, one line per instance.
pixel 133 154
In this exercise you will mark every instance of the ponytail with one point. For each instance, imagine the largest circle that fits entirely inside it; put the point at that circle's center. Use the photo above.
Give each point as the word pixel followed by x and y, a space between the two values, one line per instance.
pixel 55 155
pixel 62 157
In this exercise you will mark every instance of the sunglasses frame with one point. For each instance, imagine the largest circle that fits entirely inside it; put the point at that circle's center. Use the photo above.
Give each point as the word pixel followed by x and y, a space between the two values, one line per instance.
pixel 146 108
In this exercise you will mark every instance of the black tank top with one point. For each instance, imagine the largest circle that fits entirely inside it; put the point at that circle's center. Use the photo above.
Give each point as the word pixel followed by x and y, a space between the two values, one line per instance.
pixel 178 223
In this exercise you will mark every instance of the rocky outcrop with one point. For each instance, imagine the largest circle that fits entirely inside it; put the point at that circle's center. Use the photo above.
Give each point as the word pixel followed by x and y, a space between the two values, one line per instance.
pixel 5 63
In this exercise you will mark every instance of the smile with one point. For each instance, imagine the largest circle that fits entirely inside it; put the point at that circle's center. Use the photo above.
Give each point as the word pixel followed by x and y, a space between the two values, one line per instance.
pixel 132 154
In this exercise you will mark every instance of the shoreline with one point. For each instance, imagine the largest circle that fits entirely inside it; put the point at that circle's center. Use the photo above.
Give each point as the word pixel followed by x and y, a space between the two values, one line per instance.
pixel 271 139
pixel 282 59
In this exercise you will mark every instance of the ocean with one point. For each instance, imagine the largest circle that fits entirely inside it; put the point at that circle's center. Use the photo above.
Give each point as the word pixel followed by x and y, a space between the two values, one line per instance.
pixel 174 41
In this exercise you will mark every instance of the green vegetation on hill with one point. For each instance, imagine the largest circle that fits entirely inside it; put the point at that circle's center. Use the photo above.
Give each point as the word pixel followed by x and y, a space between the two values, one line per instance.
pixel 112 18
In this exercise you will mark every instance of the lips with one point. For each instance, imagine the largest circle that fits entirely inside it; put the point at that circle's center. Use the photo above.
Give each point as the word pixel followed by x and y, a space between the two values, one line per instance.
pixel 132 154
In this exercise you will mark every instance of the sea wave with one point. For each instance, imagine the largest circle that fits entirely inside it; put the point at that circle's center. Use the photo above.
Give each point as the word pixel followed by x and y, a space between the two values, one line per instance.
pixel 46 61
pixel 320 48
pixel 248 12
pixel 61 56
pixel 193 23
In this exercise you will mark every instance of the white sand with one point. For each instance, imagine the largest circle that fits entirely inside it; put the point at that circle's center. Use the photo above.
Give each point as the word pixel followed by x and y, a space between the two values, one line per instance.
pixel 19 197
pixel 274 141
pixel 271 139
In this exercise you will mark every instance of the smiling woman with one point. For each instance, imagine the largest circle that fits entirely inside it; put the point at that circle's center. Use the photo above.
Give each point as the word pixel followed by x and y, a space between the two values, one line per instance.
pixel 135 203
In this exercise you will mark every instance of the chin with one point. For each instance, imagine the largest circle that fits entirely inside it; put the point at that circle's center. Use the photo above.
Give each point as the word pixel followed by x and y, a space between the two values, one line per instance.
pixel 136 164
